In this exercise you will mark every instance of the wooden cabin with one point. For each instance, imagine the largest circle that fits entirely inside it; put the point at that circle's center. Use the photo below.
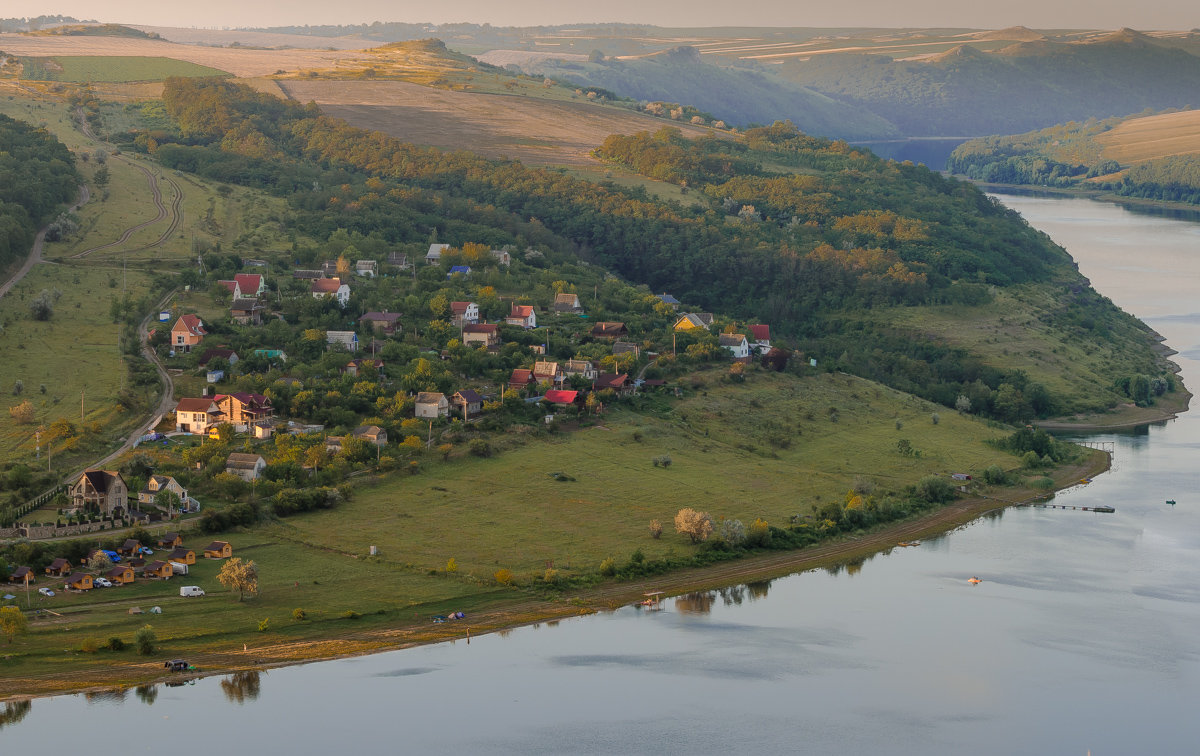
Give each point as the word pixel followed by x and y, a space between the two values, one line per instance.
pixel 22 576
pixel 169 541
pixel 122 574
pixel 218 550
pixel 157 571
pixel 183 556
pixel 59 567
pixel 80 581
pixel 129 548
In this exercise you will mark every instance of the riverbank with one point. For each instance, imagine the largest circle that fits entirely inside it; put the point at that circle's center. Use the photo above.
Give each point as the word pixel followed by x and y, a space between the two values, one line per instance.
pixel 1168 208
pixel 504 610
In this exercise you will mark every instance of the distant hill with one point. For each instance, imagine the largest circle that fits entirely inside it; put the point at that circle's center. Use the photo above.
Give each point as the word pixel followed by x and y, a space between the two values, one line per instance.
pixel 736 95
pixel 1023 86
pixel 96 30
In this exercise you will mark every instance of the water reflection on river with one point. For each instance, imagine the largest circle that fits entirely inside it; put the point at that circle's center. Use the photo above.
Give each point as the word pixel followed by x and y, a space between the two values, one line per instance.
pixel 1082 635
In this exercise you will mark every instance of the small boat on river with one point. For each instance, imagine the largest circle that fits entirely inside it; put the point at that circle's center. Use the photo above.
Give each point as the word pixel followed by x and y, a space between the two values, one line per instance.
pixel 975 581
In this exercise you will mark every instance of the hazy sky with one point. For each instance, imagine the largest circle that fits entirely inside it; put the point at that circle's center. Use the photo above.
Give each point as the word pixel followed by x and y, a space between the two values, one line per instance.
pixel 1103 14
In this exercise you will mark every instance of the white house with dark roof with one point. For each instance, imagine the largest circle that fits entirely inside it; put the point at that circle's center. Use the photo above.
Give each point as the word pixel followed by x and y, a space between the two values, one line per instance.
pixel 434 255
pixel 736 344
pixel 346 339
pixel 432 405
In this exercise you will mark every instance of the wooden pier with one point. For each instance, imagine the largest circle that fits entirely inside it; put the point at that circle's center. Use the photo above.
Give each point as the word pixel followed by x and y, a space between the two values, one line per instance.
pixel 1109 447
pixel 1101 508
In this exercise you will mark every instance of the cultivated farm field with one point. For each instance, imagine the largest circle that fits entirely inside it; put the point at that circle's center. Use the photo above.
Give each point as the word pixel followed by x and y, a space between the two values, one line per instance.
pixel 1142 139
pixel 88 68
pixel 535 131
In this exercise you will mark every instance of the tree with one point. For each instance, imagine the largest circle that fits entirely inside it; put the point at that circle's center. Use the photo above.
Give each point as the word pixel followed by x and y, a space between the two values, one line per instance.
pixel 100 562
pixel 695 525
pixel 12 622
pixel 144 640
pixel 101 177
pixel 22 414
pixel 239 576
pixel 42 307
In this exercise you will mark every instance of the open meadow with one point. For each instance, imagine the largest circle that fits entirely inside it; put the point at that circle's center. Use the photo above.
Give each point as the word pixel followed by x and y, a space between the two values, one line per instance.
pixel 1139 140
pixel 88 68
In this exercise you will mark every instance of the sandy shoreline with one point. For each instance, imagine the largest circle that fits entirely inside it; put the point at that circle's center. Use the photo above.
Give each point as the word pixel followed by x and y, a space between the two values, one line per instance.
pixel 522 609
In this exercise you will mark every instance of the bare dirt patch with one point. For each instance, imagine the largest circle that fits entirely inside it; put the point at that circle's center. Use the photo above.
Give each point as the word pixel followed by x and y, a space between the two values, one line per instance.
pixel 535 131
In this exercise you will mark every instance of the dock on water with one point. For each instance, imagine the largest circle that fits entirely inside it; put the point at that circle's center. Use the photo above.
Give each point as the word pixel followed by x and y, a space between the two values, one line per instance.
pixel 1101 508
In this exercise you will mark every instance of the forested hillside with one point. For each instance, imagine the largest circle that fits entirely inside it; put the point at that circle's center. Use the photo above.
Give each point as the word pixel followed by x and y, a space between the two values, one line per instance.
pixel 794 230
pixel 1024 86
pixel 37 174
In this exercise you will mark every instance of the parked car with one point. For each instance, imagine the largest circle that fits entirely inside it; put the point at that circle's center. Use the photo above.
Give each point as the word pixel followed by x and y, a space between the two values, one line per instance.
pixel 45 591
pixel 103 583
pixel 112 555
pixel 191 590
pixel 147 550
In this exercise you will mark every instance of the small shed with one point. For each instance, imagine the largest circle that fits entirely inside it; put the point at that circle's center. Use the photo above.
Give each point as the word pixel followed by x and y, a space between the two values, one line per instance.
pixel 22 575
pixel 169 540
pixel 218 550
pixel 80 581
pixel 130 547
pixel 158 570
pixel 431 404
pixel 182 555
pixel 59 567
pixel 122 574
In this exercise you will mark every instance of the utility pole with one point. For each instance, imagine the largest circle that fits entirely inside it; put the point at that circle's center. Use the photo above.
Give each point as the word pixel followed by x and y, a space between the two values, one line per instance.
pixel 81 391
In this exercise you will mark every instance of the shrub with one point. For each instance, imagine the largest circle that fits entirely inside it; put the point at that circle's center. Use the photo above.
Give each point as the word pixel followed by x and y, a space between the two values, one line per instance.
pixel 264 625
pixel 480 448
pixel 608 567
pixel 935 489
pixel 144 640
pixel 551 576
pixel 695 525
pixel 116 644
pixel 503 576
pixel 299 615
pixel 733 532
pixel 663 461
pixel 655 529
pixel 935 418
pixel 994 475
pixel 89 646
pixel 451 565
pixel 350 614
pixel 758 535
pixel 1043 483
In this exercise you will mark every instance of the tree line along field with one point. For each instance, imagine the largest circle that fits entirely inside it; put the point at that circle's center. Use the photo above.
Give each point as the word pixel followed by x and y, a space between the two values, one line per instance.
pixel 85 68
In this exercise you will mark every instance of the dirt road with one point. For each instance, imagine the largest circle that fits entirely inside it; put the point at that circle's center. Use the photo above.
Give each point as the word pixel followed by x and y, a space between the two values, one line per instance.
pixel 35 253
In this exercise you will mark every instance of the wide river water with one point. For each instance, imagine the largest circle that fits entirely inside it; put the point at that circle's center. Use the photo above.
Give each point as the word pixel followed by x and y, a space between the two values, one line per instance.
pixel 1083 635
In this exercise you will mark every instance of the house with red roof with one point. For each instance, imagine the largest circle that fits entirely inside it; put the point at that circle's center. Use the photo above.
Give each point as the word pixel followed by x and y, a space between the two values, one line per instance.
pixel 618 382
pixel 522 316
pixel 197 415
pixel 249 286
pixel 324 288
pixel 462 313
pixel 187 332
pixel 521 379
pixel 560 397
pixel 761 338
pixel 244 409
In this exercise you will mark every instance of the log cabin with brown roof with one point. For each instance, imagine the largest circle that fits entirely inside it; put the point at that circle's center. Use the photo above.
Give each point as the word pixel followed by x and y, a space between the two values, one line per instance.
pixel 218 550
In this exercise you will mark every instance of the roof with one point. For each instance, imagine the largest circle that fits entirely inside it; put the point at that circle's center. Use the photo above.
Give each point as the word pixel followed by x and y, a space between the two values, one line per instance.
pixel 566 298
pixel 308 274
pixel 326 285
pixel 118 571
pixel 189 404
pixel 246 303
pixel 464 269
pixel 100 478
pixel 344 337
pixel 246 399
pixel 383 317
pixel 59 563
pixel 559 396
pixel 458 308
pixel 365 362
pixel 231 286
pixel 216 546
pixel 365 265
pixel 690 317
pixel 397 258
pixel 621 347
pixel 368 430
pixel 131 543
pixel 180 551
pixel 480 328
pixel 521 311
pixel 21 572
pixel 611 380
pixel 732 339
pixel 157 566
pixel 240 460
pixel 521 375
pixel 668 299
pixel 545 367
pixel 77 577
pixel 436 250
pixel 214 353
pixel 760 332
pixel 577 366
pixel 469 396
pixel 251 282
pixel 430 397
pixel 168 537
pixel 608 329
pixel 190 323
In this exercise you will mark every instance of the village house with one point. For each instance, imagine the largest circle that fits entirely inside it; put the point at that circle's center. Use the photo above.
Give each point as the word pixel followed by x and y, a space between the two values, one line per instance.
pixel 122 574
pixel 736 344
pixel 356 366
pixel 667 299
pixel 606 330
pixel 22 576
pixel 431 404
pixel 130 547
pixel 618 382
pixel 220 353
pixel 583 368
pixel 243 409
pixel 323 288
pixel 434 255
pixel 372 434
pixel 333 444
pixel 158 570
pixel 561 398
pixel 521 379
pixel 366 268
pixel 148 496
pixel 690 321
pixel 762 338
pixel 626 347
pixel 264 429
pixel 462 313
pixel 197 415
pixel 398 260
pixel 182 555
pixel 59 567
pixel 329 269
pixel 501 256
pixel 248 467
pixel 218 550
pixel 274 355
pixel 246 311
pixel 486 334
pixel 462 270
pixel 102 491
pixel 467 403
pixel 545 370
pixel 566 303
pixel 346 339
pixel 169 541
pixel 522 316
pixel 383 322
pixel 187 332
pixel 80 581
pixel 249 286
pixel 307 275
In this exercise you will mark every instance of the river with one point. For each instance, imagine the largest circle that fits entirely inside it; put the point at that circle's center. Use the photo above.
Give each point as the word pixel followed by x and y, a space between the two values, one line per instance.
pixel 1081 637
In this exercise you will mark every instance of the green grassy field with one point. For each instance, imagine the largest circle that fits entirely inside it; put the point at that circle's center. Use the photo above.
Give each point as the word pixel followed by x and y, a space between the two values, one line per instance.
pixel 84 68
pixel 726 445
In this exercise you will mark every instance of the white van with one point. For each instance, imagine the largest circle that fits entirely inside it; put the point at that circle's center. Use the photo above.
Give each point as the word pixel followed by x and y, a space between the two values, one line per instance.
pixel 191 590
